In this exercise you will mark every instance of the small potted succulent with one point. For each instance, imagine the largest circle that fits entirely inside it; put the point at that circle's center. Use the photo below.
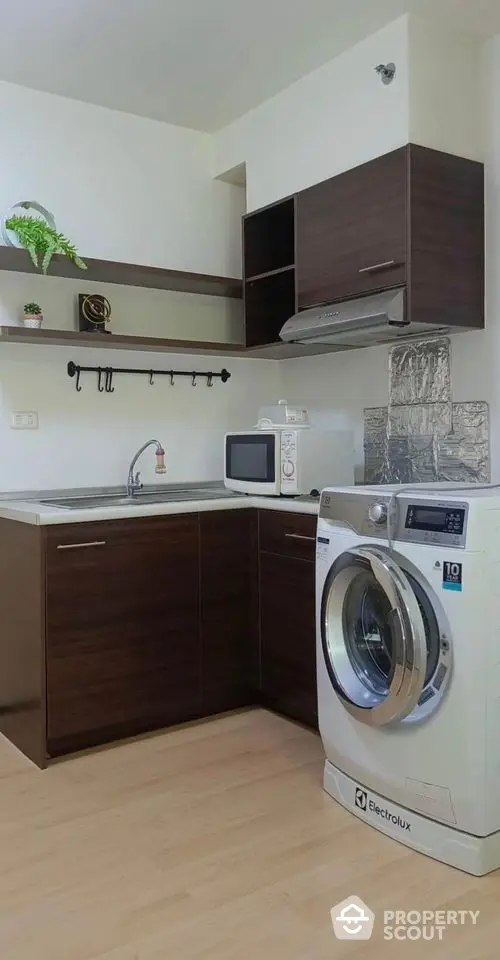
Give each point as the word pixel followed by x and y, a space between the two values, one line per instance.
pixel 32 315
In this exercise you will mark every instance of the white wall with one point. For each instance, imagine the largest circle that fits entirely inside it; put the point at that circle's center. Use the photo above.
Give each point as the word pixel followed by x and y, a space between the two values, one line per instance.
pixel 331 120
pixel 487 364
pixel 445 89
pixel 129 189
pixel 122 187
pixel 135 310
pixel 88 439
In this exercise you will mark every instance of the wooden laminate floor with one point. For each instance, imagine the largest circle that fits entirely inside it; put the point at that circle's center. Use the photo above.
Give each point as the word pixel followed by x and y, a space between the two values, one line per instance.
pixel 213 842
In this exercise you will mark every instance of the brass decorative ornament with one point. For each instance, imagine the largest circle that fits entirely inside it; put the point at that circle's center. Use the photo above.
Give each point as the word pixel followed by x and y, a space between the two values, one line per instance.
pixel 94 312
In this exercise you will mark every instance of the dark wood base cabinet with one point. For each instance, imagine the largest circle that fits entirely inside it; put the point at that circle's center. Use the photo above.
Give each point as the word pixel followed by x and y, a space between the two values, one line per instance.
pixel 287 615
pixel 122 635
pixel 229 604
pixel 110 629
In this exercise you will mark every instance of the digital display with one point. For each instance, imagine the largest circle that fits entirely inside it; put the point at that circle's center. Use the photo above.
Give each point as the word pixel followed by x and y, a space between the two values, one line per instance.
pixel 431 518
pixel 438 519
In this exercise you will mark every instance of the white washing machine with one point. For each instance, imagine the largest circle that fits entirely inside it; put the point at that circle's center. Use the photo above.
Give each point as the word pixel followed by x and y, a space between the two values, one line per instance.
pixel 408 653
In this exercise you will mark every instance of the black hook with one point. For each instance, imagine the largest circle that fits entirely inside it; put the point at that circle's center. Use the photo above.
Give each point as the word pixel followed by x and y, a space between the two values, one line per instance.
pixel 151 378
pixel 99 380
pixel 193 379
pixel 109 380
pixel 172 383
pixel 210 379
pixel 77 384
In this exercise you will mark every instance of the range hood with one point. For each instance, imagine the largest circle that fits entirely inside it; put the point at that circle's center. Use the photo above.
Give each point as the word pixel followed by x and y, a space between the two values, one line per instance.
pixel 375 318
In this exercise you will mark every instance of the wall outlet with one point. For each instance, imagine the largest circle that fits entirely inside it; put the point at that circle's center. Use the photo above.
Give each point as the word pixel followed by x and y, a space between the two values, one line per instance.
pixel 24 420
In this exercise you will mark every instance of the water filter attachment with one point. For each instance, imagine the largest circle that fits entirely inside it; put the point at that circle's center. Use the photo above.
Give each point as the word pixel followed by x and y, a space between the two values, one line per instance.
pixel 160 461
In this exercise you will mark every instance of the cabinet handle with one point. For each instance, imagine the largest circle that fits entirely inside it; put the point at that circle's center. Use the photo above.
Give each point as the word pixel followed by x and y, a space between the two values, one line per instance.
pixel 299 536
pixel 378 266
pixel 80 546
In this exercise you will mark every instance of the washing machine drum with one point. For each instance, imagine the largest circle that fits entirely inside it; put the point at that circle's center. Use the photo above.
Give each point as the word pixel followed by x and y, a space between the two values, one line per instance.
pixel 381 639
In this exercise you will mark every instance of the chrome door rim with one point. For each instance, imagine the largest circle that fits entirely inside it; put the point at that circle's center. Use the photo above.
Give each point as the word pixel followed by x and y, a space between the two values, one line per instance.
pixel 410 649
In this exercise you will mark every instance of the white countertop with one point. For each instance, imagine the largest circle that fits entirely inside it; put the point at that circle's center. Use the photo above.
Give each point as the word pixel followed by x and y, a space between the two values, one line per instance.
pixel 29 511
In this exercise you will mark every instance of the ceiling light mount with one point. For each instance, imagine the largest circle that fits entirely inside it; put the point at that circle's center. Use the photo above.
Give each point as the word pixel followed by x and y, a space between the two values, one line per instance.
pixel 386 72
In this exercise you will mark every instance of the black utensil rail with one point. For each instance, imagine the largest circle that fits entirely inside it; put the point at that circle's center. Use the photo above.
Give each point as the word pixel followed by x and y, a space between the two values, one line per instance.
pixel 105 375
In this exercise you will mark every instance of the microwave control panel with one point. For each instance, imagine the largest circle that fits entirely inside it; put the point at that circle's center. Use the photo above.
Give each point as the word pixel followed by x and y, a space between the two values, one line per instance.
pixel 288 461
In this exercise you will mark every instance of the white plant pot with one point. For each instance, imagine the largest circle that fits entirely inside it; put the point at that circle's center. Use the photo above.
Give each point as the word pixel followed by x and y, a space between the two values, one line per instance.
pixel 33 320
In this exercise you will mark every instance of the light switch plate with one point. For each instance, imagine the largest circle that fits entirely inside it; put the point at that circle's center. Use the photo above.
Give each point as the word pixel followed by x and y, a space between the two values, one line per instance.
pixel 24 420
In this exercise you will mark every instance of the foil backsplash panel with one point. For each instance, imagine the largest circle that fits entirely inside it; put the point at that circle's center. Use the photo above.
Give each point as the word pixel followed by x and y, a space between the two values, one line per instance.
pixel 419 372
pixel 375 443
pixel 464 455
pixel 422 436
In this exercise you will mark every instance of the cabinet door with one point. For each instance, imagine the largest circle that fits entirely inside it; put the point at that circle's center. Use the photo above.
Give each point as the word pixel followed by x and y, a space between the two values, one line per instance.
pixel 288 636
pixel 229 606
pixel 351 232
pixel 123 650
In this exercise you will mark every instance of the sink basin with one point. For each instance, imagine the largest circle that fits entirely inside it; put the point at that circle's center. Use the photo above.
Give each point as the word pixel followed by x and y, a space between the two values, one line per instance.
pixel 175 495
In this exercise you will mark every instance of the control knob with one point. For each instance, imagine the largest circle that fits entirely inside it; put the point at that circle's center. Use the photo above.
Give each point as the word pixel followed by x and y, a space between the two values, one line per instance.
pixel 378 513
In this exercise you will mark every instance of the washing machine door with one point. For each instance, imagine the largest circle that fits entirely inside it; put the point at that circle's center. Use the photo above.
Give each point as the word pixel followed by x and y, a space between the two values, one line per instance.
pixel 373 636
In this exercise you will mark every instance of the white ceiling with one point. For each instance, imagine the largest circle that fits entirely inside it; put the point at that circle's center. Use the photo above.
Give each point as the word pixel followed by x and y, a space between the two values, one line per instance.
pixel 196 63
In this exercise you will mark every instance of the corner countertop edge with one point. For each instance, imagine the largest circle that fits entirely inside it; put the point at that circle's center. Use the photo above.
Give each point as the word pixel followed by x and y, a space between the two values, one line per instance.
pixel 26 511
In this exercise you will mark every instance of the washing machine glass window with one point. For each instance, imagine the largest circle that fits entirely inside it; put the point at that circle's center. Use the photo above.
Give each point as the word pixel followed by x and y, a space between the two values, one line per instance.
pixel 378 636
pixel 368 632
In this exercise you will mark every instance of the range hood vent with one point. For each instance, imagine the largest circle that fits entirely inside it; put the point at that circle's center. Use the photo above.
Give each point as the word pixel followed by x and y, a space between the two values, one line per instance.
pixel 375 318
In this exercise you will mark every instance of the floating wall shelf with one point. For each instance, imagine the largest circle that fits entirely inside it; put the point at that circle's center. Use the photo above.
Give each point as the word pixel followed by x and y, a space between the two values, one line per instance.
pixel 116 341
pixel 127 274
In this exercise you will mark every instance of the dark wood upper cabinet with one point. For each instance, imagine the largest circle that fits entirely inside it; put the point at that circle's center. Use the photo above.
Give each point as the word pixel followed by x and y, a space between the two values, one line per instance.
pixel 269 239
pixel 413 218
pixel 122 633
pixel 445 239
pixel 351 232
pixel 269 271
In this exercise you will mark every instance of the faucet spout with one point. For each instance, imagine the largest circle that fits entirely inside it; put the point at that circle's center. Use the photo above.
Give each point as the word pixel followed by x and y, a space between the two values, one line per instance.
pixel 133 479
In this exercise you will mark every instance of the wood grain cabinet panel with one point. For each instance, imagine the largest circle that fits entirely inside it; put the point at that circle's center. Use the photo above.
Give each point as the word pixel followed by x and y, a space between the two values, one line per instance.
pixel 351 232
pixel 287 637
pixel 123 643
pixel 229 609
pixel 413 218
pixel 126 626
pixel 289 534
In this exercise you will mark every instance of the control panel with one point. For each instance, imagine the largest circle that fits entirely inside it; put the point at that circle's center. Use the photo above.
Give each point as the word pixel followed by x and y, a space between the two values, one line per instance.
pixel 431 521
pixel 288 462
pixel 440 523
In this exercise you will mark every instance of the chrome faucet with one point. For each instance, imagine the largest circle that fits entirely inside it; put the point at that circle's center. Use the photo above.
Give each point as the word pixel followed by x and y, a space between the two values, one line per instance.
pixel 133 481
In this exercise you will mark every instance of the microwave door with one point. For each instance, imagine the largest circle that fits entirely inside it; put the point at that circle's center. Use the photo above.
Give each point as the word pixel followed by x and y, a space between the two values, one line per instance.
pixel 252 462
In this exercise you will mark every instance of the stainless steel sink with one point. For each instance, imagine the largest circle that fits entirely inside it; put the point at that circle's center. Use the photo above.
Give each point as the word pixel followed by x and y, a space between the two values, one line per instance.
pixel 175 495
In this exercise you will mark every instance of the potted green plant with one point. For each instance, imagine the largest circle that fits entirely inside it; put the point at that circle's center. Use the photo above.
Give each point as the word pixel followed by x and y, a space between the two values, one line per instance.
pixel 33 315
pixel 39 236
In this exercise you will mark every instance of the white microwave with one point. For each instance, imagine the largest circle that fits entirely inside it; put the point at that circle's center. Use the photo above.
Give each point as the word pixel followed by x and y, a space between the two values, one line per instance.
pixel 288 462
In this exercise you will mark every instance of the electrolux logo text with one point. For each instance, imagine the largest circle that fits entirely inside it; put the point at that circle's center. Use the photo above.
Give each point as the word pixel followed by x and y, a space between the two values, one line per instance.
pixel 362 801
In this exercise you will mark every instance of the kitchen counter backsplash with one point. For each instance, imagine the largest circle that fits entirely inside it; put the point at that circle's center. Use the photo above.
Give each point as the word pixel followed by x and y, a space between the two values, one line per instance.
pixel 422 435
